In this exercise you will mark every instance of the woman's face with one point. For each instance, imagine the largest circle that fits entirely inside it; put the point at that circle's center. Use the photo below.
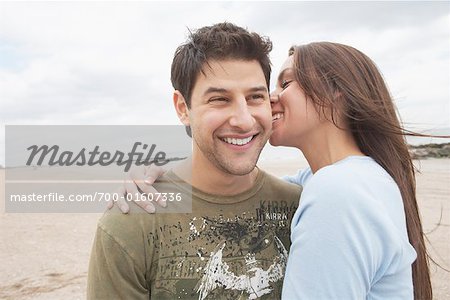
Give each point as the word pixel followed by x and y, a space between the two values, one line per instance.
pixel 294 117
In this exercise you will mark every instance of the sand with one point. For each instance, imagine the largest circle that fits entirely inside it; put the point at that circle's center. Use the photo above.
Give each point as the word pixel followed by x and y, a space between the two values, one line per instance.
pixel 45 256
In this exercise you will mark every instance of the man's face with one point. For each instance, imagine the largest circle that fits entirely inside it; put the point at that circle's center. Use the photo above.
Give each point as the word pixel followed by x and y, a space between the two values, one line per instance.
pixel 230 115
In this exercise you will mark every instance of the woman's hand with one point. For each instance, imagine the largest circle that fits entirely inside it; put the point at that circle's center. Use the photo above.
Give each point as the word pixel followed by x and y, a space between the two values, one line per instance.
pixel 136 187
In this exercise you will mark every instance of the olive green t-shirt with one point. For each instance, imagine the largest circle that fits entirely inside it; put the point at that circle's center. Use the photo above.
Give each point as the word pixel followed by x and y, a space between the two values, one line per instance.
pixel 227 248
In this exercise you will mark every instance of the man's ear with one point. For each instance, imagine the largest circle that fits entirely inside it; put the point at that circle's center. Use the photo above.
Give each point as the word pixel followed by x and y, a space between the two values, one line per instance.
pixel 181 107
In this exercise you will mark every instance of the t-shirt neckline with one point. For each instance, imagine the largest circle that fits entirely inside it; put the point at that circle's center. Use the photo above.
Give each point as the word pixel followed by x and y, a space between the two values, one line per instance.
pixel 218 199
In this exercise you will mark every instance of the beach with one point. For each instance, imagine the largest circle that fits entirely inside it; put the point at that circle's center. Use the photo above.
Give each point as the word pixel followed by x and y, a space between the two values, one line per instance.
pixel 46 256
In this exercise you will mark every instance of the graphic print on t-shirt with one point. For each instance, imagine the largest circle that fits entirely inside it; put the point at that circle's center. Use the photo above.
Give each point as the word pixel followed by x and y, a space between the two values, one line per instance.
pixel 255 281
pixel 221 257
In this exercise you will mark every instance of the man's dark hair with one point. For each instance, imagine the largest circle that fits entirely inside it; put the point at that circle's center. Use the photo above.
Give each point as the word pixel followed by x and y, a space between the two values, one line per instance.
pixel 218 42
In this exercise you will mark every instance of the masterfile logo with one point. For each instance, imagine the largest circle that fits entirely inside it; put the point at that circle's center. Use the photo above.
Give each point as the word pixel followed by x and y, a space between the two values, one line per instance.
pixel 68 168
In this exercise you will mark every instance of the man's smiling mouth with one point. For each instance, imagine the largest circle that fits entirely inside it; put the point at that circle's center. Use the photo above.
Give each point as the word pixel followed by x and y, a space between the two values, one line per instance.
pixel 239 142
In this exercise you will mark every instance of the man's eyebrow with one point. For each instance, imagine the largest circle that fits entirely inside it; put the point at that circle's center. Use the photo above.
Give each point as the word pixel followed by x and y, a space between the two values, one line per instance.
pixel 258 89
pixel 222 90
pixel 214 90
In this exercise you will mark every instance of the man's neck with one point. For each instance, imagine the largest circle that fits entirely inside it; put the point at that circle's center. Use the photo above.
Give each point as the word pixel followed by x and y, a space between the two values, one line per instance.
pixel 207 178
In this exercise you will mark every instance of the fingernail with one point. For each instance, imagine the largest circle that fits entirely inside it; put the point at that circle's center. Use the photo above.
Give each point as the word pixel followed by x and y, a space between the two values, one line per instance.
pixel 124 208
pixel 148 181
pixel 149 208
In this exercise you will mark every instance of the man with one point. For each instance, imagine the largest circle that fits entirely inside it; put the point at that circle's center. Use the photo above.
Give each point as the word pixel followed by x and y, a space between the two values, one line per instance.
pixel 234 243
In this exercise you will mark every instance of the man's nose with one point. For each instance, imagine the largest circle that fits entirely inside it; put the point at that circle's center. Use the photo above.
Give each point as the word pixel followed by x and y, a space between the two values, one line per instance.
pixel 242 116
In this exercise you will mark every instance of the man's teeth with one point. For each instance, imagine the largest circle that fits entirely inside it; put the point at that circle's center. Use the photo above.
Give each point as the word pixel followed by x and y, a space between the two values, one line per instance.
pixel 239 142
pixel 277 116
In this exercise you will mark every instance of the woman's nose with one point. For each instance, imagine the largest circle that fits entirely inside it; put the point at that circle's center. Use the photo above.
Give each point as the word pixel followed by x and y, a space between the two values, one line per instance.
pixel 274 97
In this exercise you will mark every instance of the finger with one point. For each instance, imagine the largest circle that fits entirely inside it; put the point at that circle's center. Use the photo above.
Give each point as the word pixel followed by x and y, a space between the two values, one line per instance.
pixel 152 173
pixel 149 192
pixel 139 198
pixel 137 175
pixel 110 204
pixel 155 196
pixel 119 192
pixel 121 201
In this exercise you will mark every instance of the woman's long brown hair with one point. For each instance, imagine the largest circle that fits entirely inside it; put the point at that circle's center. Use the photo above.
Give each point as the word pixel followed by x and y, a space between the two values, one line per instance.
pixel 344 83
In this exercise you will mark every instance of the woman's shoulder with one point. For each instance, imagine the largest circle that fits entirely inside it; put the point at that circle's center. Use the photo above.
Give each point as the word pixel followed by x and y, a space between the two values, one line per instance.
pixel 351 172
pixel 358 189
pixel 301 178
pixel 355 181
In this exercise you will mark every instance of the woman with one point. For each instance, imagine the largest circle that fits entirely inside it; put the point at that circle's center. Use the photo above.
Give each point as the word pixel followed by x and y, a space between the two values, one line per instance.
pixel 357 233
pixel 358 216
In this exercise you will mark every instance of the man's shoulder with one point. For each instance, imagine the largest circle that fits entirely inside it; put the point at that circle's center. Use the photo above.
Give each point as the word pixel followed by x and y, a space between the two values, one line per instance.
pixel 171 182
pixel 130 226
pixel 281 187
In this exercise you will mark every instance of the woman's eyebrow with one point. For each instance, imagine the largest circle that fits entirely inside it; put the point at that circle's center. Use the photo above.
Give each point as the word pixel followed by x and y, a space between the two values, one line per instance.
pixel 283 73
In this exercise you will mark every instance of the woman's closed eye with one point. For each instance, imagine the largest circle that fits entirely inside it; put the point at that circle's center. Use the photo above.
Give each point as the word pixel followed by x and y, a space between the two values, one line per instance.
pixel 285 83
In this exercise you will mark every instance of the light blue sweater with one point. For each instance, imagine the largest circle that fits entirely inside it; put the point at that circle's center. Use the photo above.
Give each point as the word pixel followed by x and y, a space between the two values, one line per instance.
pixel 349 238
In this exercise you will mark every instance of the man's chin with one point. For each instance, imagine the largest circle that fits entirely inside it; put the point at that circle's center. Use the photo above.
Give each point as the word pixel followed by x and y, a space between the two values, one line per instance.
pixel 241 168
pixel 239 174
pixel 242 172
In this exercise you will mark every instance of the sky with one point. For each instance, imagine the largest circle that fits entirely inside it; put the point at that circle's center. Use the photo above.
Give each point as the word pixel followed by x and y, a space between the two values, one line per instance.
pixel 109 62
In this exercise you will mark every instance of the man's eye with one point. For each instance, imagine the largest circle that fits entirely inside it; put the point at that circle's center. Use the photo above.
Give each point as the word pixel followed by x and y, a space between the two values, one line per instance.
pixel 219 99
pixel 257 97
pixel 284 84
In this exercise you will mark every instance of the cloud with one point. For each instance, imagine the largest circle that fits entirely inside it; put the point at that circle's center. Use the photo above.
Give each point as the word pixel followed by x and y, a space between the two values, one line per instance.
pixel 109 62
